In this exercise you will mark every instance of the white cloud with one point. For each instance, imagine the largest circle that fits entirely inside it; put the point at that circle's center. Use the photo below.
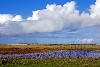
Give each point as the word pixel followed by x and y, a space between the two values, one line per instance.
pixel 5 18
pixel 17 18
pixel 34 16
pixel 53 18
pixel 95 9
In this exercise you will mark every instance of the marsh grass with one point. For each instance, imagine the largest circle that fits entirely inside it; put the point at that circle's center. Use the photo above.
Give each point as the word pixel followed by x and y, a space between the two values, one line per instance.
pixel 48 46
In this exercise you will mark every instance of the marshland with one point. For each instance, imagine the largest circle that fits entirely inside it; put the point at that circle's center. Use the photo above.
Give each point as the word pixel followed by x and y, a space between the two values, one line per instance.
pixel 60 55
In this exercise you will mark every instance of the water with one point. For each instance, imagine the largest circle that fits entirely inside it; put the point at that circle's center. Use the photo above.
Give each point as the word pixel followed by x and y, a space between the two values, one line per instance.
pixel 57 54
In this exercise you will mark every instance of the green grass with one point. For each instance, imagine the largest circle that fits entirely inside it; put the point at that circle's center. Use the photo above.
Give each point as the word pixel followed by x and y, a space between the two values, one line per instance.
pixel 50 63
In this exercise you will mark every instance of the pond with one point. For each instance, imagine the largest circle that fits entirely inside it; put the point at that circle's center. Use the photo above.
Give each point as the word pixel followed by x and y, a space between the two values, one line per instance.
pixel 57 54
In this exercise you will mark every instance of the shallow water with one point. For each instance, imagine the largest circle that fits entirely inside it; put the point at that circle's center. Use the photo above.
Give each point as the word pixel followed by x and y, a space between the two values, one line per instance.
pixel 58 54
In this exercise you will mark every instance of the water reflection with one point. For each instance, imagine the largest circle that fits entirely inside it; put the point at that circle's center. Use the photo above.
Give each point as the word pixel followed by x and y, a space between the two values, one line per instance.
pixel 58 54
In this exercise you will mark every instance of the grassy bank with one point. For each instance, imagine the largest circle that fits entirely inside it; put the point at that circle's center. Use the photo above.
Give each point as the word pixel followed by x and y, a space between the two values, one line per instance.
pixel 50 63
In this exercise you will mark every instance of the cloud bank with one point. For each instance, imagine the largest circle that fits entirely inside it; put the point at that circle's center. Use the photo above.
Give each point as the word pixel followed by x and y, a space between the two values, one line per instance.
pixel 53 18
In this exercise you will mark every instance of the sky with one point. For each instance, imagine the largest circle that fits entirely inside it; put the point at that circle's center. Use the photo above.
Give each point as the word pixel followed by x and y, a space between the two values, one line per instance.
pixel 25 7
pixel 50 21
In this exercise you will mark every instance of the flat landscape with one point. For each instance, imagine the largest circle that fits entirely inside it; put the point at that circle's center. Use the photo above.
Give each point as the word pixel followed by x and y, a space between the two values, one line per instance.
pixel 20 55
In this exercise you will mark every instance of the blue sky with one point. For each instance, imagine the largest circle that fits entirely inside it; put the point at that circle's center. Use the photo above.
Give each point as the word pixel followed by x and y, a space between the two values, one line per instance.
pixel 50 21
pixel 25 7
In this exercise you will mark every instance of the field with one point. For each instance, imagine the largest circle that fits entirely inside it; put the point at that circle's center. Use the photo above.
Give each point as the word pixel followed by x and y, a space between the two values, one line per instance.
pixel 51 62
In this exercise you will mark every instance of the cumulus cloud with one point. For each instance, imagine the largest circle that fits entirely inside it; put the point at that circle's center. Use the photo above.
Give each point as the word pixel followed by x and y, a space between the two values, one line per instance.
pixel 17 18
pixel 53 18
pixel 34 16
pixel 95 9
pixel 4 18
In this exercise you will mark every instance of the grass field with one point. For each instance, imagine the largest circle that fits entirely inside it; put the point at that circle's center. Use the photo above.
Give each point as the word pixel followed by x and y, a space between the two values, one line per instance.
pixel 50 63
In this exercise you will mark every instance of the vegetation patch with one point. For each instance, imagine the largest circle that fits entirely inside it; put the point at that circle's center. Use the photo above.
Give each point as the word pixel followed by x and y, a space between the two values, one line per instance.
pixel 50 63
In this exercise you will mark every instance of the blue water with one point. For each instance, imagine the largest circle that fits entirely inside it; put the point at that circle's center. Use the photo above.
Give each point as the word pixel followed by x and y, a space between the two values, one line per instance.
pixel 57 54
